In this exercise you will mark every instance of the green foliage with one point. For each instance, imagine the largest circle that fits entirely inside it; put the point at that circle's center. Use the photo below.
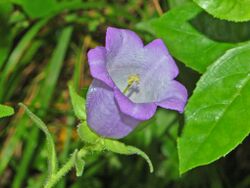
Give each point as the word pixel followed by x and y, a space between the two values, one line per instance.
pixel 202 131
pixel 56 63
pixel 86 134
pixel 221 30
pixel 31 75
pixel 79 164
pixel 175 3
pixel 78 103
pixel 120 148
pixel 38 8
pixel 154 128
pixel 232 10
pixel 46 8
pixel 6 111
pixel 184 42
pixel 110 145
pixel 6 38
pixel 17 53
pixel 218 111
pixel 52 158
pixel 43 98
pixel 43 45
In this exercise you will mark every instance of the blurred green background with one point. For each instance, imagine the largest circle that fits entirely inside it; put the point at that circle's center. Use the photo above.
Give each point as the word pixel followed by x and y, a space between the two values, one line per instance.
pixel 43 46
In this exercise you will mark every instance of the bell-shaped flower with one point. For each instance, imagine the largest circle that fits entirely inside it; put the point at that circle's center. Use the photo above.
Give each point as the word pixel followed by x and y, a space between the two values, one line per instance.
pixel 130 81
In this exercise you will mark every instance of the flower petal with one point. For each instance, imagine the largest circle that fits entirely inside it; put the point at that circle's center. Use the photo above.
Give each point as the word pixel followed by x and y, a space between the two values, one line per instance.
pixel 137 110
pixel 154 81
pixel 175 97
pixel 121 39
pixel 104 116
pixel 97 64
pixel 159 56
pixel 153 64
pixel 124 55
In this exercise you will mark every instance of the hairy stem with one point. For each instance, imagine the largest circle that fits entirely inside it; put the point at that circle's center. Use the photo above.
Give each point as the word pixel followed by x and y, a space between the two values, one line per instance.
pixel 65 169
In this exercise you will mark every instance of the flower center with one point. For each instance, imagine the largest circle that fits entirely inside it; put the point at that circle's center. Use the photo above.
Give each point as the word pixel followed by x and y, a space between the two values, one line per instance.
pixel 134 78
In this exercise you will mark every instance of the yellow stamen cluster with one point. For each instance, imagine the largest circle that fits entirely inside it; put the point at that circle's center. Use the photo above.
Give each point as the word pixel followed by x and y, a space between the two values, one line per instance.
pixel 135 78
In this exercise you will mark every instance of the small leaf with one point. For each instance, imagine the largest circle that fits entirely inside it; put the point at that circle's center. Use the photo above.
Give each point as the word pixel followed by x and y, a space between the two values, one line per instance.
pixel 118 147
pixel 6 111
pixel 86 134
pixel 217 114
pixel 52 158
pixel 79 164
pixel 232 10
pixel 78 103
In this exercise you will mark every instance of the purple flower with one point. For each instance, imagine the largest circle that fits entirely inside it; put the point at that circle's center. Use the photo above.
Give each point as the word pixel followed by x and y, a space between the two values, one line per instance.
pixel 130 81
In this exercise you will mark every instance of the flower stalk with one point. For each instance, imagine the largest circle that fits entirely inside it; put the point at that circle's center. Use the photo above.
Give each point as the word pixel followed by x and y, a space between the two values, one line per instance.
pixel 66 168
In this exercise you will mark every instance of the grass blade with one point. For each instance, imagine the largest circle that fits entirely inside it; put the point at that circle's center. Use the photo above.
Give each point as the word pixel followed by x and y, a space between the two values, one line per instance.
pixel 17 54
pixel 44 98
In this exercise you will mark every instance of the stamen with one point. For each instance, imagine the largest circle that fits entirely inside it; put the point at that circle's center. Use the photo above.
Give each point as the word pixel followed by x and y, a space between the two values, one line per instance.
pixel 135 78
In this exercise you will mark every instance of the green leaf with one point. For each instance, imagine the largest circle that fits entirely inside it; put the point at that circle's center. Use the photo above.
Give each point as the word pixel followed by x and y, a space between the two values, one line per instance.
pixel 233 10
pixel 175 3
pixel 78 103
pixel 37 8
pixel 120 148
pixel 5 31
pixel 184 42
pixel 52 158
pixel 217 114
pixel 86 134
pixel 221 30
pixel 6 111
pixel 79 164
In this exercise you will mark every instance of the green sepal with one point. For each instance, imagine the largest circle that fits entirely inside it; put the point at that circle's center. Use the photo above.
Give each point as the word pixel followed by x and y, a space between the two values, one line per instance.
pixel 120 148
pixel 104 144
pixel 86 134
pixel 78 103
